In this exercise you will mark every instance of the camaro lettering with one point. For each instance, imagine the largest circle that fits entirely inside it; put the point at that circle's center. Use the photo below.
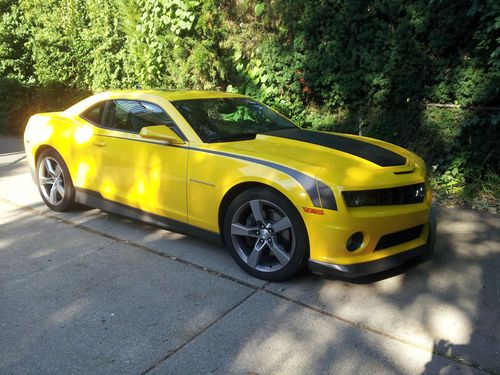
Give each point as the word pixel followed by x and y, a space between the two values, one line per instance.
pixel 202 182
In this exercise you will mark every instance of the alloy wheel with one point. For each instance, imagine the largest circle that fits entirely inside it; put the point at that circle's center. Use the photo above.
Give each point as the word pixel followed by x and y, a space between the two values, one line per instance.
pixel 51 180
pixel 263 235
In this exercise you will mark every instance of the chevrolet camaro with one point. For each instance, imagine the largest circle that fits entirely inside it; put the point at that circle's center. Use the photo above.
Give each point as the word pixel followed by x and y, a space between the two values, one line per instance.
pixel 227 168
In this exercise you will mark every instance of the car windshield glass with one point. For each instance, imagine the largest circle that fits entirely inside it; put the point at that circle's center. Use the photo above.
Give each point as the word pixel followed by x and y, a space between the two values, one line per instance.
pixel 226 119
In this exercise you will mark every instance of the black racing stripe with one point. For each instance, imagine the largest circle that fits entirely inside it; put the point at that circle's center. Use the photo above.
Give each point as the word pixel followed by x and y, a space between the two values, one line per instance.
pixel 326 195
pixel 307 182
pixel 365 150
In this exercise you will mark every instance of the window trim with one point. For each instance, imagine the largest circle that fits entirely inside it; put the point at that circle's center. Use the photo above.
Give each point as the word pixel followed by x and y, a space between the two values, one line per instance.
pixel 105 110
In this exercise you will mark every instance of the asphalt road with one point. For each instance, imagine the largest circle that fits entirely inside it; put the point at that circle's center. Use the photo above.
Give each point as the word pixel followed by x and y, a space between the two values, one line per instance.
pixel 89 292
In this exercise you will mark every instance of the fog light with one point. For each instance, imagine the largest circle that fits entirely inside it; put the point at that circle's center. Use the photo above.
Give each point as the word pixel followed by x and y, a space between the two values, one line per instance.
pixel 355 241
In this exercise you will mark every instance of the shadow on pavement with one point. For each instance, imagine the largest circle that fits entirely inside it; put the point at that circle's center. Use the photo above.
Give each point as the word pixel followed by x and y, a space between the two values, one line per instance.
pixel 10 145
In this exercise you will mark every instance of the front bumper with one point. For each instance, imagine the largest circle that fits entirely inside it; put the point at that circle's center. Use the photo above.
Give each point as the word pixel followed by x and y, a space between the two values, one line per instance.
pixel 369 268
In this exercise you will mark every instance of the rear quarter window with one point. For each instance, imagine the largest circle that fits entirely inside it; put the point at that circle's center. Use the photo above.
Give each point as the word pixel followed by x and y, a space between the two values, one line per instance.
pixel 94 114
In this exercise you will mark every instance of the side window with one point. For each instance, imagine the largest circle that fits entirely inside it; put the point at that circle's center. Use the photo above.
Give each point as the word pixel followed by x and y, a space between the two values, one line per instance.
pixel 117 114
pixel 94 113
pixel 133 115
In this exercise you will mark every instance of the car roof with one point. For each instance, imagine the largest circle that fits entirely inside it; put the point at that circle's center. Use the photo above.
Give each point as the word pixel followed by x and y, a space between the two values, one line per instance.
pixel 173 95
pixel 139 94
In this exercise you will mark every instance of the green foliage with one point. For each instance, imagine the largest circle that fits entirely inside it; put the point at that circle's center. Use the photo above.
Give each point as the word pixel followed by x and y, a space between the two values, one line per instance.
pixel 174 44
pixel 259 9
pixel 106 68
pixel 328 64
pixel 15 59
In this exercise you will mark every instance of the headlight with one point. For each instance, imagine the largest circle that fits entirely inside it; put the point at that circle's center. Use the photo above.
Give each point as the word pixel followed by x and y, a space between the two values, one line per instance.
pixel 409 194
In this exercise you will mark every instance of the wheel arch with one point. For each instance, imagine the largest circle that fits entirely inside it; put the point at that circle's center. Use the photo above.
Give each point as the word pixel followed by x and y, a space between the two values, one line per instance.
pixel 236 190
pixel 44 147
pixel 40 149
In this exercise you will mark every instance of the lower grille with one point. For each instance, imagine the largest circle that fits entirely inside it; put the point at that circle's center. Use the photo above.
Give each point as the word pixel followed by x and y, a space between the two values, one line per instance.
pixel 398 238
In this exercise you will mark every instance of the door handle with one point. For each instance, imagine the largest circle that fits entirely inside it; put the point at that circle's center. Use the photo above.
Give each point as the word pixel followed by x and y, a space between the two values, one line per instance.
pixel 100 144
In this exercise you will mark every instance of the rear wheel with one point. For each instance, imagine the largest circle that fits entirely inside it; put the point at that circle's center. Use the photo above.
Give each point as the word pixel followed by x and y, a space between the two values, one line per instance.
pixel 266 235
pixel 54 181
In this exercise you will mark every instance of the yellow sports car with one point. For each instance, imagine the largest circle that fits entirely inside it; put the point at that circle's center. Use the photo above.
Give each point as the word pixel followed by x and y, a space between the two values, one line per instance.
pixel 227 168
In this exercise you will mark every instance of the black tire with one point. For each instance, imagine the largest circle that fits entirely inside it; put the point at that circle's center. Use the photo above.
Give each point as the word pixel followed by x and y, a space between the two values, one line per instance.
pixel 54 176
pixel 281 253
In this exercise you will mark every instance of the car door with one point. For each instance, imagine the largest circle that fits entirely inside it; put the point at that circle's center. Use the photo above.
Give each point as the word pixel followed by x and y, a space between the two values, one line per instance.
pixel 86 160
pixel 145 174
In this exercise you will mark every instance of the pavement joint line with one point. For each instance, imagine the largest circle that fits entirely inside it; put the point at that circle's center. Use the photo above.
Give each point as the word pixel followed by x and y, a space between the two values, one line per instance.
pixel 17 160
pixel 12 153
pixel 171 352
pixel 376 331
pixel 256 288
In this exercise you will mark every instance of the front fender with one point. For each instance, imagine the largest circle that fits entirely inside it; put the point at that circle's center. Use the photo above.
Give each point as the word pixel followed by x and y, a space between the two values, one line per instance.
pixel 211 176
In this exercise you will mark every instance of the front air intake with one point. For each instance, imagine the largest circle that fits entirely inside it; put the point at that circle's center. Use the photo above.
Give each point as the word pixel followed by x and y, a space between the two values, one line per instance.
pixel 397 238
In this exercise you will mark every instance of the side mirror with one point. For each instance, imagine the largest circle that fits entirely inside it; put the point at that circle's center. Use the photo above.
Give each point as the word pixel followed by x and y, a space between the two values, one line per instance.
pixel 160 133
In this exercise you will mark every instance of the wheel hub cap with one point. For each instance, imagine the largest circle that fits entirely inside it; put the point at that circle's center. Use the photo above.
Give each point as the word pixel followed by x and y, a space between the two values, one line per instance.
pixel 265 234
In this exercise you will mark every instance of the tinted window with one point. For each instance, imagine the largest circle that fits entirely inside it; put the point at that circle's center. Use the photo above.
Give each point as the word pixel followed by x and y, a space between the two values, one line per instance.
pixel 230 118
pixel 94 113
pixel 132 116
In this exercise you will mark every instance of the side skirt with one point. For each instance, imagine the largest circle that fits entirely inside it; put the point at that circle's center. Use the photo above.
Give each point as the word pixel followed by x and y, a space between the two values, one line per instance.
pixel 94 199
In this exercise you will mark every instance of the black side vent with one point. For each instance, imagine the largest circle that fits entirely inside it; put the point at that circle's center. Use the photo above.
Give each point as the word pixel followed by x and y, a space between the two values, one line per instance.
pixel 397 238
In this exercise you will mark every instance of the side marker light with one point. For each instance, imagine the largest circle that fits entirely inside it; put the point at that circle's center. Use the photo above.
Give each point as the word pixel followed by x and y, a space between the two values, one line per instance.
pixel 316 211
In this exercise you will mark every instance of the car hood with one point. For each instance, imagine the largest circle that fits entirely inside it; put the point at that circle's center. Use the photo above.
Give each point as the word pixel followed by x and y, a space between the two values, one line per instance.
pixel 347 161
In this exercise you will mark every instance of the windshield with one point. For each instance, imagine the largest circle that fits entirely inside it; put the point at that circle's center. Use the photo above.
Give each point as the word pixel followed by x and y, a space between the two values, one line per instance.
pixel 225 119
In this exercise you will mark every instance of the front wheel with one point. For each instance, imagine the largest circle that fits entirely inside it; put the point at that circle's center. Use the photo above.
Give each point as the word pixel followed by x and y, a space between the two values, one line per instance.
pixel 54 181
pixel 266 235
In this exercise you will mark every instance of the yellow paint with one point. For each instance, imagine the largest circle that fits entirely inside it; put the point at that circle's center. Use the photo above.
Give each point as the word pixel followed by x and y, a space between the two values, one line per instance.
pixel 187 185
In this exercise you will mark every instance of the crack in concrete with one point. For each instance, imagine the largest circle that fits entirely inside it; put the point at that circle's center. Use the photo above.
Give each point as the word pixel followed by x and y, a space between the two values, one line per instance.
pixel 197 334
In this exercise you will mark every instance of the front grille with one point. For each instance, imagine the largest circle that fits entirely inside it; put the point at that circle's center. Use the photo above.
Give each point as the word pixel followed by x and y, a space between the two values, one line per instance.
pixel 385 197
pixel 398 238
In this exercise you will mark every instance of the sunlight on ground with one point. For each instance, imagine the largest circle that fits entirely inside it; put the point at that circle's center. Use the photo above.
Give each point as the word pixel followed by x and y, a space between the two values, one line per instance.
pixel 41 253
pixel 171 236
pixel 161 234
pixel 449 323
pixel 390 285
pixel 4 244
pixel 281 340
pixel 68 312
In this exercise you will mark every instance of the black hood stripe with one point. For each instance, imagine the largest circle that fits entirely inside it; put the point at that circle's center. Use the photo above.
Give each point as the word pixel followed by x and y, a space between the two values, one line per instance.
pixel 318 192
pixel 365 150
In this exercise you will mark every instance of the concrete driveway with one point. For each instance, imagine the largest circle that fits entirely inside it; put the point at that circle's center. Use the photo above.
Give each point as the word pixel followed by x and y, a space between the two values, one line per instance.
pixel 88 292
